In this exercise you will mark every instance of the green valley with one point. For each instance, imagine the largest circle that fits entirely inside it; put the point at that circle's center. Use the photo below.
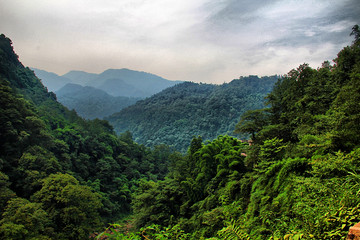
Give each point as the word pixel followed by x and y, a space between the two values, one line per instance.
pixel 261 158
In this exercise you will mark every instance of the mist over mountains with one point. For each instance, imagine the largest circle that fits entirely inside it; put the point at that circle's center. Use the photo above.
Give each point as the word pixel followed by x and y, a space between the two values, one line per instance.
pixel 170 112
pixel 99 95
pixel 52 81
pixel 90 102
pixel 116 82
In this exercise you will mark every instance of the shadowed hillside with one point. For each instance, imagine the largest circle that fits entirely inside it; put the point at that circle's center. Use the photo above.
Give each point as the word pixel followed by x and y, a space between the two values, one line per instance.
pixel 176 114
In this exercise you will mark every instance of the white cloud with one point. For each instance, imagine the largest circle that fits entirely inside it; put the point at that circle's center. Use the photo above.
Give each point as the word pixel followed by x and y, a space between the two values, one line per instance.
pixel 199 40
pixel 341 26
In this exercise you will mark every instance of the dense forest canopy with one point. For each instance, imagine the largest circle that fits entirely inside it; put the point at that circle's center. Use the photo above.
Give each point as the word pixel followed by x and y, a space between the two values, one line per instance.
pixel 298 179
pixel 189 109
pixel 63 177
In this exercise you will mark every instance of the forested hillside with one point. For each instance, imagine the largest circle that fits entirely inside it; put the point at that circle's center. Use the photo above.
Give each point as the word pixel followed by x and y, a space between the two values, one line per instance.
pixel 176 114
pixel 62 177
pixel 298 179
pixel 90 102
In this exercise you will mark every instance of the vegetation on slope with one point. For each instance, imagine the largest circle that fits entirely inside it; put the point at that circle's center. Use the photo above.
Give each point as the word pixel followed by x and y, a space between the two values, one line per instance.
pixel 62 177
pixel 91 103
pixel 299 179
pixel 176 114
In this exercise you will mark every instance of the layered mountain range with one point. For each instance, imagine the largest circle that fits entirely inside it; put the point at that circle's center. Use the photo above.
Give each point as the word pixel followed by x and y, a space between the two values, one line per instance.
pixel 116 82
pixel 155 110
pixel 100 95
pixel 90 102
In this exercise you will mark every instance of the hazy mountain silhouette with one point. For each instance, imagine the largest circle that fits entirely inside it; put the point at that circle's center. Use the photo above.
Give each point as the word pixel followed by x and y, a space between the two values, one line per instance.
pixel 52 81
pixel 90 102
pixel 116 82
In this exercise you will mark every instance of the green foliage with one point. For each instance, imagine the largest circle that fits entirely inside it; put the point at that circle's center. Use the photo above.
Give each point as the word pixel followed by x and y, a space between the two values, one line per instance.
pixel 157 203
pixel 356 33
pixel 77 171
pixel 22 219
pixel 201 186
pixel 62 176
pixel 336 225
pixel 18 123
pixel 252 122
pixel 91 103
pixel 299 179
pixel 176 114
pixel 71 207
pixel 35 164
pixel 156 232
pixel 344 116
pixel 271 151
pixel 5 192
pixel 232 232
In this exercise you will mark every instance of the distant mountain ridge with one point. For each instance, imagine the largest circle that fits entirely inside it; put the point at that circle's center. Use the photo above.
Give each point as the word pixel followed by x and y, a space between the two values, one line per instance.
pixel 90 102
pixel 147 82
pixel 189 109
pixel 80 77
pixel 118 87
pixel 116 82
pixel 51 81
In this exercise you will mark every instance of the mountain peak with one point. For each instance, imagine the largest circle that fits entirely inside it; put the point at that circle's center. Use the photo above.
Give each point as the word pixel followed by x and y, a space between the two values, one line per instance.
pixel 116 82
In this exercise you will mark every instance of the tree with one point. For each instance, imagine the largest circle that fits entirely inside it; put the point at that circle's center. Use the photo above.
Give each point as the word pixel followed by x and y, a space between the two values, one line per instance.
pixel 24 220
pixel 35 164
pixel 356 33
pixel 252 122
pixel 5 192
pixel 158 202
pixel 72 208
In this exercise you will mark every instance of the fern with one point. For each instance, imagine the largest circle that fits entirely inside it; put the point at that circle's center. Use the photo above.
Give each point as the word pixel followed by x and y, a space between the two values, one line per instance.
pixel 233 231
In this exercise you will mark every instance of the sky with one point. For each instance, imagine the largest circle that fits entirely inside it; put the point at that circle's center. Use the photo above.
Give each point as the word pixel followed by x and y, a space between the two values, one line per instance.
pixel 194 40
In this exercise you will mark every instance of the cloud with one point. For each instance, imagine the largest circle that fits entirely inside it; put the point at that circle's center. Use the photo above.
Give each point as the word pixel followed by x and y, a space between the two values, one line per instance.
pixel 264 22
pixel 275 36
pixel 198 40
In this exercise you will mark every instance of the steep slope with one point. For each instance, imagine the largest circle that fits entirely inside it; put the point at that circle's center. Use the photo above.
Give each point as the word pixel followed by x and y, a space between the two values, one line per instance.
pixel 91 103
pixel 61 177
pixel 299 179
pixel 176 114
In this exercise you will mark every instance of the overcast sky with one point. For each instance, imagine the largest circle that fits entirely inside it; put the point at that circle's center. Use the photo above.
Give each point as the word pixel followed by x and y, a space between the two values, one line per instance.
pixel 196 40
